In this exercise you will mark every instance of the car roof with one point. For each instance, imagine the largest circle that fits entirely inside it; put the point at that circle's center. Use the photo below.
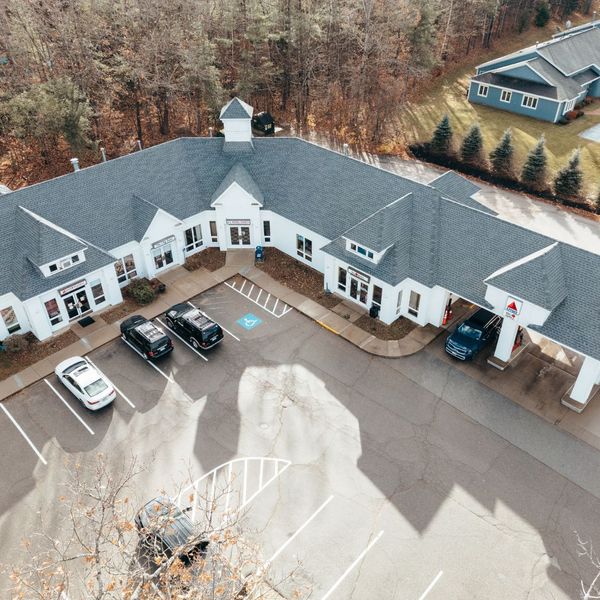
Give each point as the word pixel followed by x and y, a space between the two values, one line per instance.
pixel 85 374
pixel 177 530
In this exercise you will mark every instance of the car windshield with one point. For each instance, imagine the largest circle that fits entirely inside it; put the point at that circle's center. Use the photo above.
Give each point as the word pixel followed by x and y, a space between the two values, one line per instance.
pixel 469 331
pixel 93 389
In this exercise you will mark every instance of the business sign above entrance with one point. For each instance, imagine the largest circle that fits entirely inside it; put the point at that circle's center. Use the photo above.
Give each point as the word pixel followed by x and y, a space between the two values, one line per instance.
pixel 72 287
pixel 163 242
pixel 238 221
pixel 512 308
pixel 358 275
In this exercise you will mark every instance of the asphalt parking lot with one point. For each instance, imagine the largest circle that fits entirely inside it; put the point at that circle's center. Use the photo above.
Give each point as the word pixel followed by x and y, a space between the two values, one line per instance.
pixel 408 479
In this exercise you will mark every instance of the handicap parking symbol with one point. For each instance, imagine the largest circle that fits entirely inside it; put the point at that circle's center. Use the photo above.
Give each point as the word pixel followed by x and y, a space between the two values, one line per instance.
pixel 249 321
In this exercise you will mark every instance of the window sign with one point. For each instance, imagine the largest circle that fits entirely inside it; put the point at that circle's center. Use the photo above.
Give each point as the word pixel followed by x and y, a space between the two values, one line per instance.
pixel 10 319
pixel 359 275
pixel 163 242
pixel 239 222
pixel 53 311
pixel 512 308
pixel 72 287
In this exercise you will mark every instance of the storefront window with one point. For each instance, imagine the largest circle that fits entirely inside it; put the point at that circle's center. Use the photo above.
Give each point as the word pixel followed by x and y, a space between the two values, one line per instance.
pixel 193 238
pixel 304 247
pixel 125 268
pixel 53 311
pixel 213 231
pixel 414 303
pixel 10 319
pixel 377 295
pixel 342 279
pixel 267 231
pixel 97 292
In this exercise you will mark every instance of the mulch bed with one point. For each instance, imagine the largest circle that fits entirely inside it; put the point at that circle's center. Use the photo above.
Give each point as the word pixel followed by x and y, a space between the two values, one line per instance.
pixel 296 276
pixel 129 305
pixel 211 259
pixel 13 363
pixel 397 330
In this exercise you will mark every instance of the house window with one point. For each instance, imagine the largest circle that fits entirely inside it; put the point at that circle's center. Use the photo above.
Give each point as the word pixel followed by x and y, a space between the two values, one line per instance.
pixel 125 268
pixel 97 292
pixel 362 251
pixel 505 96
pixel 483 90
pixel 193 238
pixel 341 282
pixel 53 268
pixel 414 303
pixel 399 303
pixel 529 102
pixel 267 231
pixel 53 311
pixel 304 247
pixel 377 296
pixel 10 319
pixel 213 231
pixel 75 258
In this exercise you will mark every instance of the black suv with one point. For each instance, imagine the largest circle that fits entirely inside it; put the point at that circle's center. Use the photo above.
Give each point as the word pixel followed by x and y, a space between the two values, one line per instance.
pixel 473 334
pixel 168 530
pixel 194 326
pixel 145 337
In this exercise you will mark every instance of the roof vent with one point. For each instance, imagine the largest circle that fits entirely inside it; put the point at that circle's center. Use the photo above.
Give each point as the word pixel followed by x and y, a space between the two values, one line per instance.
pixel 75 163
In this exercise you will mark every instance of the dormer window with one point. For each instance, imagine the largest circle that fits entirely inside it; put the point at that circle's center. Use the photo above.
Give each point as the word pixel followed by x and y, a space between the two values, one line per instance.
pixel 362 251
pixel 64 263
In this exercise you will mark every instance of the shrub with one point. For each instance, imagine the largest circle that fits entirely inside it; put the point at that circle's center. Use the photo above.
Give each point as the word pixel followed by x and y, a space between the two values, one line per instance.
pixel 17 343
pixel 571 115
pixel 141 291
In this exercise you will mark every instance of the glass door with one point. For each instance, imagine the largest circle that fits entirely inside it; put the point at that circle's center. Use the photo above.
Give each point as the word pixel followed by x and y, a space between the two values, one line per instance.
pixel 234 232
pixel 76 304
pixel 245 235
pixel 358 290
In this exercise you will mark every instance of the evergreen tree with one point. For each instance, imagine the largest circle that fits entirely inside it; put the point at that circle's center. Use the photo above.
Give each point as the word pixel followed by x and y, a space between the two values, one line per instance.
pixel 569 179
pixel 542 14
pixel 534 169
pixel 471 149
pixel 442 137
pixel 502 155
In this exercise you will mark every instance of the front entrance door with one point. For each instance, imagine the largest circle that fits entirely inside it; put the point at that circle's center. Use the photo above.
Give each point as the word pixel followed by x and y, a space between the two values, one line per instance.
pixel 240 236
pixel 76 304
pixel 359 290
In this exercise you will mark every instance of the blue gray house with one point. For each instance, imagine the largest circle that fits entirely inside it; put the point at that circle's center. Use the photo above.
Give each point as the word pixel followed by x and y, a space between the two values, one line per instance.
pixel 544 81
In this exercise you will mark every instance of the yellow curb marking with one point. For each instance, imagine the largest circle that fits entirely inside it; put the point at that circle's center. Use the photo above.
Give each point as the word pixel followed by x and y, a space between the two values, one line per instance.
pixel 328 328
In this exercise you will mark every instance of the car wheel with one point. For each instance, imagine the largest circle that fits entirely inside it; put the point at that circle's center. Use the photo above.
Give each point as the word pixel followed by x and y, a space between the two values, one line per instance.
pixel 195 344
pixel 170 323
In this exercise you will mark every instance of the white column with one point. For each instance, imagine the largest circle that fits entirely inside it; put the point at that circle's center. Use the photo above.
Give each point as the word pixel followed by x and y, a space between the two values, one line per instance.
pixel 589 375
pixel 506 339
pixel 437 306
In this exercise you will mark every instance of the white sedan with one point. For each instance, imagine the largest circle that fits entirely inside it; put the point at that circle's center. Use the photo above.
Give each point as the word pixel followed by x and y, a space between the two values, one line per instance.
pixel 85 382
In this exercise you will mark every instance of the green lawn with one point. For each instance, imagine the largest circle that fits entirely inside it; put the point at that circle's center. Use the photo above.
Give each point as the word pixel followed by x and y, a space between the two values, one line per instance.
pixel 448 95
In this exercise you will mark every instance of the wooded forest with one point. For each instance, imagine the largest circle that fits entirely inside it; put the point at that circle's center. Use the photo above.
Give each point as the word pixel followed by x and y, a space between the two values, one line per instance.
pixel 79 74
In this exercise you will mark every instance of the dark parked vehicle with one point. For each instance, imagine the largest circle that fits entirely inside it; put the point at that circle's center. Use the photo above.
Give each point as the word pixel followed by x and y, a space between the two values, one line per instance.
pixel 145 337
pixel 264 122
pixel 194 326
pixel 168 530
pixel 473 334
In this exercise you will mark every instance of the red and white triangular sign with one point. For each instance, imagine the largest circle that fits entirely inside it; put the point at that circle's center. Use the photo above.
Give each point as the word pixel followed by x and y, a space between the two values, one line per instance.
pixel 512 306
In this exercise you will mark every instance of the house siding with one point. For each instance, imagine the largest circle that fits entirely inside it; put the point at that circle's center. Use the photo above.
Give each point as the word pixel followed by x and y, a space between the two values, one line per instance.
pixel 594 89
pixel 546 109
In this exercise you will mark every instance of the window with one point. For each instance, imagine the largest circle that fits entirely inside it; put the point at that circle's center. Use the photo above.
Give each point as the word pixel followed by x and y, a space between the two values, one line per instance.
pixel 193 238
pixel 352 247
pixel 361 250
pixel 213 231
pixel 53 311
pixel 304 247
pixel 75 258
pixel 10 319
pixel 399 303
pixel 341 282
pixel 125 268
pixel 505 96
pixel 97 292
pixel 53 268
pixel 267 231
pixel 483 90
pixel 377 296
pixel 529 102
pixel 413 304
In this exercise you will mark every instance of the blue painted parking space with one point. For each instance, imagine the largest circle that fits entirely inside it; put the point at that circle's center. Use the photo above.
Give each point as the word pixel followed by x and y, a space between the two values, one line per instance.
pixel 249 321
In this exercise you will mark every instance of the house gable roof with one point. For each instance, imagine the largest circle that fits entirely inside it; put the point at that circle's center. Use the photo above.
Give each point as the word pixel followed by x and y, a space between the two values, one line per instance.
pixel 237 174
pixel 455 186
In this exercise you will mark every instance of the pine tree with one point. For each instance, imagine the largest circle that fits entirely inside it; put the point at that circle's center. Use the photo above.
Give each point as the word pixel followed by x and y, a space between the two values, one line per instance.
pixel 534 169
pixel 502 156
pixel 569 179
pixel 542 15
pixel 442 137
pixel 471 149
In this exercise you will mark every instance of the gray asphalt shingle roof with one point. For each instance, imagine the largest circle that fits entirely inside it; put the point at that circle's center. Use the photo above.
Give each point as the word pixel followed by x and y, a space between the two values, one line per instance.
pixel 237 174
pixel 574 52
pixel 234 109
pixel 454 186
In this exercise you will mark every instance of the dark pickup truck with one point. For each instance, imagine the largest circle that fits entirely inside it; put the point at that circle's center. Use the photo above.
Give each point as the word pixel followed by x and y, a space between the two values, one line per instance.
pixel 473 334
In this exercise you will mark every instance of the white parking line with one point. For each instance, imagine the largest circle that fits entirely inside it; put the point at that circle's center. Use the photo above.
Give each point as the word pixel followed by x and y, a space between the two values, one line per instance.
pixel 69 407
pixel 235 337
pixel 167 377
pixel 284 311
pixel 358 559
pixel 430 587
pixel 20 430
pixel 305 524
pixel 116 388
pixel 188 345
